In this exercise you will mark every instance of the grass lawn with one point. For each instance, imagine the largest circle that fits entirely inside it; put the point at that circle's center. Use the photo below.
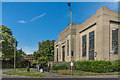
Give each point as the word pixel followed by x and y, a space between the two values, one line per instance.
pixel 81 73
pixel 23 72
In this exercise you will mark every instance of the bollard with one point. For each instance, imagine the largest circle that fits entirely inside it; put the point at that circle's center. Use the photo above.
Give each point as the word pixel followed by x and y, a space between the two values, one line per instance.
pixel 41 70
pixel 28 69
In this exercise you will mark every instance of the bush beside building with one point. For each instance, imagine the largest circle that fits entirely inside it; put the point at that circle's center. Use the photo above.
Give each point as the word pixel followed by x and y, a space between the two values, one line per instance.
pixel 90 66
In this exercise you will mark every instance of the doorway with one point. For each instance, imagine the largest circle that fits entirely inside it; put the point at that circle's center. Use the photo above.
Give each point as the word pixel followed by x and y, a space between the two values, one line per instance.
pixel 63 56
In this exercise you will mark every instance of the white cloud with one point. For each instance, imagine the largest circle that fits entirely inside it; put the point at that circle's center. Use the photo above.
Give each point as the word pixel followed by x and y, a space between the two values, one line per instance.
pixel 38 17
pixel 116 0
pixel 22 21
pixel 28 49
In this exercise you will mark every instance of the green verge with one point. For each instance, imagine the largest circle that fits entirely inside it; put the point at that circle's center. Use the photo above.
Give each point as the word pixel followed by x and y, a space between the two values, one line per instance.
pixel 81 73
pixel 23 72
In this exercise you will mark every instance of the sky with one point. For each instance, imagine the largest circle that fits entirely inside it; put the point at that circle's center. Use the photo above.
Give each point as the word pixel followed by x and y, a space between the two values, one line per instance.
pixel 59 0
pixel 32 22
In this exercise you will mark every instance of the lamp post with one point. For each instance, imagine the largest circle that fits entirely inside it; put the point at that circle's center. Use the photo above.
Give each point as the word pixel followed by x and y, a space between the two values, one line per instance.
pixel 15 54
pixel 110 55
pixel 71 40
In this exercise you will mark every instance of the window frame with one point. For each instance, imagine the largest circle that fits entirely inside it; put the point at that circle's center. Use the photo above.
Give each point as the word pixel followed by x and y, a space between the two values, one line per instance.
pixel 114 42
pixel 67 47
pixel 84 43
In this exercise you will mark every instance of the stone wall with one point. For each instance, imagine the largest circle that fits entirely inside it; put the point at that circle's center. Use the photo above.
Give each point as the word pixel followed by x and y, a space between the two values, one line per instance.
pixel 100 22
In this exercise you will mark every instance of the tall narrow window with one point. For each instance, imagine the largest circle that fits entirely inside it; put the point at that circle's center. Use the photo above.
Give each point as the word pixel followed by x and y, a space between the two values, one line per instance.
pixel 84 45
pixel 67 47
pixel 91 45
pixel 57 54
pixel 115 41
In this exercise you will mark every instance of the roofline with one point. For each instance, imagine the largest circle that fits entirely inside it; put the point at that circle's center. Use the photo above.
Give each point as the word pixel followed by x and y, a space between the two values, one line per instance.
pixel 67 27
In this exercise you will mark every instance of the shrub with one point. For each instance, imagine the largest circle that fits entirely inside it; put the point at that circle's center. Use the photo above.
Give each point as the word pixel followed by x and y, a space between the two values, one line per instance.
pixel 60 66
pixel 90 66
pixel 83 65
pixel 101 66
pixel 116 65
pixel 94 66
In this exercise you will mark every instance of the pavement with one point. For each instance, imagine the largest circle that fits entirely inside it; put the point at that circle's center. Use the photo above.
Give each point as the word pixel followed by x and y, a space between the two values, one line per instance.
pixel 53 75
pixel 5 70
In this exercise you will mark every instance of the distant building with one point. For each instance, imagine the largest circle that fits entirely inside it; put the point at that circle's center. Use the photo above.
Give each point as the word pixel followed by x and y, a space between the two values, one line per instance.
pixel 27 58
pixel 97 38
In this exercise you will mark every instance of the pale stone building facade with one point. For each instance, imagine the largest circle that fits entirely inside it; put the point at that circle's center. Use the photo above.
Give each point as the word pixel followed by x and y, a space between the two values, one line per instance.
pixel 97 38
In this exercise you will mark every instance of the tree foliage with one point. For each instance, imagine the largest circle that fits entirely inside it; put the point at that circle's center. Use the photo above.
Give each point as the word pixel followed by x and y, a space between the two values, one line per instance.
pixel 19 55
pixel 45 52
pixel 8 43
pixel 8 46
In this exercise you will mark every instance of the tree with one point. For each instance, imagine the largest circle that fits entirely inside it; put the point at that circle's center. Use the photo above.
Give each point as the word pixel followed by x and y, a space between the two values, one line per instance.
pixel 45 52
pixel 39 46
pixel 8 43
pixel 19 54
pixel 35 55
pixel 42 60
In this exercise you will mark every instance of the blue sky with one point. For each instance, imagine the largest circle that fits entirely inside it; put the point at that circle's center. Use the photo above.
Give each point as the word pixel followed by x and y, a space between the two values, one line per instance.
pixel 32 22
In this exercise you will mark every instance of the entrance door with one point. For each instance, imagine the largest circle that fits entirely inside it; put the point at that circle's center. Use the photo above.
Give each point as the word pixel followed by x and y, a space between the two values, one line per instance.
pixel 63 53
pixel 57 54
pixel 91 45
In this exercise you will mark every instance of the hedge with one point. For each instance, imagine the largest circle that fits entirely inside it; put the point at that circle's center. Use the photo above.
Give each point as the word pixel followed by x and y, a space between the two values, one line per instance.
pixel 116 65
pixel 60 66
pixel 94 66
pixel 90 66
